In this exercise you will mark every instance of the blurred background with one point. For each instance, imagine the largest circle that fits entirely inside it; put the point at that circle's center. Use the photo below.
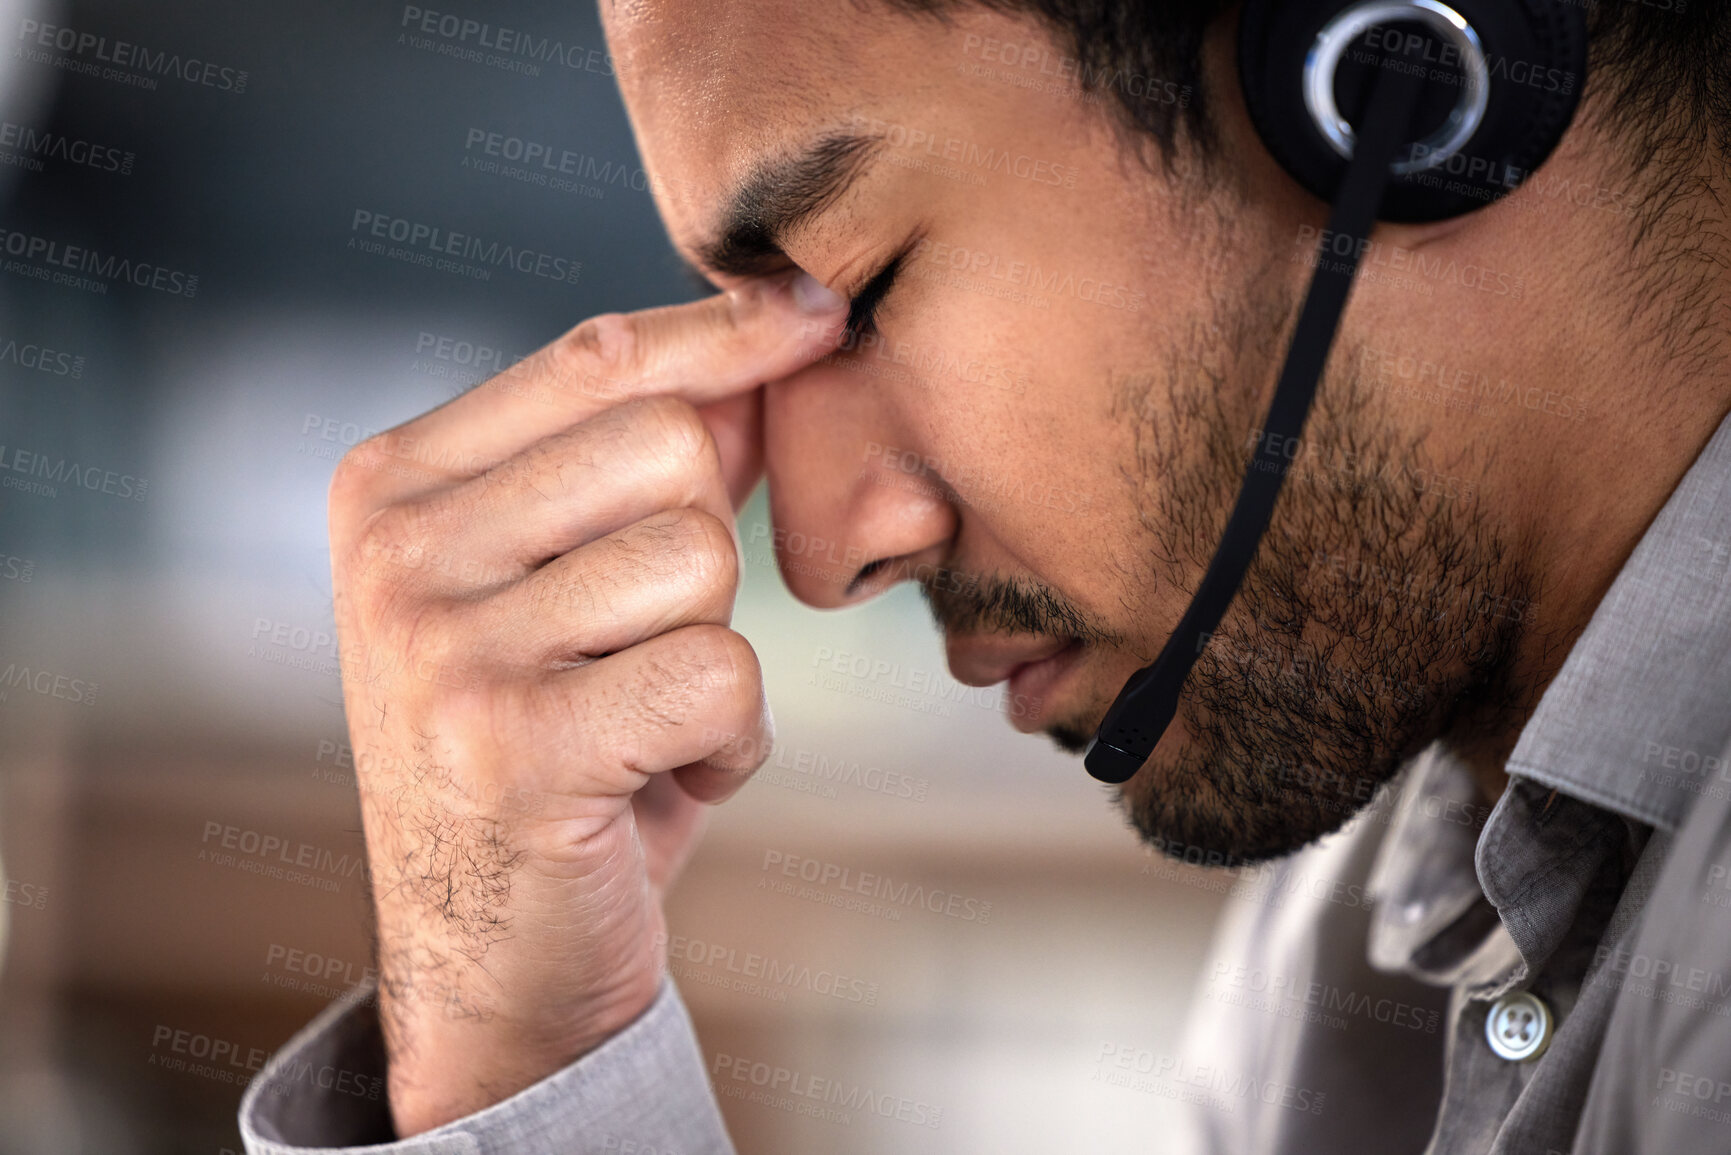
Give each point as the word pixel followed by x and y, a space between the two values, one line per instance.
pixel 169 420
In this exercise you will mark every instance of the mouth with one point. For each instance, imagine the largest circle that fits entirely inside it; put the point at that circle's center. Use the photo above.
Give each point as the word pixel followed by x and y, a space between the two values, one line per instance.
pixel 1035 668
pixel 1034 688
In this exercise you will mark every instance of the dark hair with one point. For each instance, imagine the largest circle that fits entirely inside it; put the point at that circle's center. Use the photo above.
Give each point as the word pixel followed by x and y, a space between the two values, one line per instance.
pixel 1662 67
pixel 1120 48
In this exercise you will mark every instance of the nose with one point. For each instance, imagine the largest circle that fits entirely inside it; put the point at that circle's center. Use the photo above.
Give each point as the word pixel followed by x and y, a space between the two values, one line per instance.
pixel 856 507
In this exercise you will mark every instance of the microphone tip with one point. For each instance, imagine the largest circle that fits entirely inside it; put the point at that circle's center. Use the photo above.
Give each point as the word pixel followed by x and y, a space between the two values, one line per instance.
pixel 1110 764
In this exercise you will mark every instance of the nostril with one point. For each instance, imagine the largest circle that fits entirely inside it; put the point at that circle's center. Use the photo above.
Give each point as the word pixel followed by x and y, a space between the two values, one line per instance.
pixel 868 571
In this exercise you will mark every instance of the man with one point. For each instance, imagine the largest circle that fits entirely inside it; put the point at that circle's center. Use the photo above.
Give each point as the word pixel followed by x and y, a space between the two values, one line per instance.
pixel 1502 563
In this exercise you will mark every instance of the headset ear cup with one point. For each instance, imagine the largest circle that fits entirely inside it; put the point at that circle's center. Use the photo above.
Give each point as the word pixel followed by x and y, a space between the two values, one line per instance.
pixel 1536 54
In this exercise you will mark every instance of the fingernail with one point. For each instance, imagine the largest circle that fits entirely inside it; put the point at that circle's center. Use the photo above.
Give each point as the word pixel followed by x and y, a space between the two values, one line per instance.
pixel 813 296
pixel 768 731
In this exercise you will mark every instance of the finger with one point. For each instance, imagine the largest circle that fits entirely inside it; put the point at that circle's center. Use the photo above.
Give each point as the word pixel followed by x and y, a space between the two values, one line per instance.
pixel 720 775
pixel 676 567
pixel 736 424
pixel 703 352
pixel 692 695
pixel 618 467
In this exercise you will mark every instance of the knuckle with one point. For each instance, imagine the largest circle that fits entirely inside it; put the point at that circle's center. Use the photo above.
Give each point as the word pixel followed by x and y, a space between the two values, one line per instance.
pixel 391 534
pixel 660 696
pixel 705 553
pixel 685 556
pixel 380 571
pixel 704 676
pixel 725 667
pixel 673 430
pixel 705 672
pixel 644 554
pixel 431 634
pixel 610 343
pixel 381 547
pixel 355 482
pixel 558 596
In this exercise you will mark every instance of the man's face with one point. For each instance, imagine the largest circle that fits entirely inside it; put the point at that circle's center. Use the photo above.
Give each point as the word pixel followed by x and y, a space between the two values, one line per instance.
pixel 1047 421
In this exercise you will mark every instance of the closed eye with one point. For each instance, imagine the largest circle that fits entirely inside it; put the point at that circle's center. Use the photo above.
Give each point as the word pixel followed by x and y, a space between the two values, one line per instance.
pixel 698 280
pixel 862 310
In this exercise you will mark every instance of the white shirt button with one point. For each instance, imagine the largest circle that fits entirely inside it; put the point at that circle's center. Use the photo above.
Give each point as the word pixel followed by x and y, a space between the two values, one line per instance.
pixel 1519 1026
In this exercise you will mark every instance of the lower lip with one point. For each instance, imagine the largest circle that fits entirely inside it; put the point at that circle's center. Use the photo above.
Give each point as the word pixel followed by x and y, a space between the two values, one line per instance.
pixel 1033 684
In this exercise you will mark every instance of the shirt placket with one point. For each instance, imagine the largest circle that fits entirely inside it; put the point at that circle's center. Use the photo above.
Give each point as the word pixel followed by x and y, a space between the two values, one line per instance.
pixel 1549 866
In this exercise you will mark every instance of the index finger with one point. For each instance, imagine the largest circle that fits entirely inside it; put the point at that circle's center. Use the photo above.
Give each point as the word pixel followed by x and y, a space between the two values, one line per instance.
pixel 704 351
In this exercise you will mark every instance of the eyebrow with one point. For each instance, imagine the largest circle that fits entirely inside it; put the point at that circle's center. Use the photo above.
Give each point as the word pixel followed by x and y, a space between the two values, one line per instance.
pixel 780 195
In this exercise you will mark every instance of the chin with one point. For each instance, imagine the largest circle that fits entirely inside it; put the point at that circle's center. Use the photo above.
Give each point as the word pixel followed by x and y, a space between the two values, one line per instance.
pixel 1071 739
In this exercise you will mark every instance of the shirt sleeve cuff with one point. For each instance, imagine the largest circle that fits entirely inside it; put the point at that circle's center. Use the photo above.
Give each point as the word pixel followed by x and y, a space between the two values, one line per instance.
pixel 642 1090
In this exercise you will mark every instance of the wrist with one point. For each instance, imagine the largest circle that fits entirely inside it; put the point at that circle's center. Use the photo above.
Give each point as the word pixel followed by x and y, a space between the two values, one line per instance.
pixel 450 1060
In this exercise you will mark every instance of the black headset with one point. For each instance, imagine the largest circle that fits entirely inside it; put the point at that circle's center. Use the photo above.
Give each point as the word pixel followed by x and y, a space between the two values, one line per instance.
pixel 1400 110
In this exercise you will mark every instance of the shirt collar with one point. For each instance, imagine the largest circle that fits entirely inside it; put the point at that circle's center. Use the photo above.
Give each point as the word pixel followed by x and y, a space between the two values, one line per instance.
pixel 1639 716
pixel 1632 727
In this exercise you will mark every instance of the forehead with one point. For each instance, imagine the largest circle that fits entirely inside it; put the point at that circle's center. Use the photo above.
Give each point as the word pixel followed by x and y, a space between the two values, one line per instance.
pixel 714 87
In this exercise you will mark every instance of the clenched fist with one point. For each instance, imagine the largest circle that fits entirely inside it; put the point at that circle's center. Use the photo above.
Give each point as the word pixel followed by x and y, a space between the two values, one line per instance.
pixel 533 589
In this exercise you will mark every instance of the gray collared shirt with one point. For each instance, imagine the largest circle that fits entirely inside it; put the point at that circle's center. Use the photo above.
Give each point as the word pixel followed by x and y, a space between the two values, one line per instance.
pixel 1346 1005
pixel 1590 885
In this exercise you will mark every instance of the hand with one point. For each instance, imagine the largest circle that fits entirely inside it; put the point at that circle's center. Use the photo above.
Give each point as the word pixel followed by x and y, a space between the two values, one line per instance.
pixel 533 585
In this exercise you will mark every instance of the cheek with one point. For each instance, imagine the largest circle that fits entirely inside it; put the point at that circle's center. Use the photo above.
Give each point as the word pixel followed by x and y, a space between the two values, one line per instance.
pixel 1020 406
